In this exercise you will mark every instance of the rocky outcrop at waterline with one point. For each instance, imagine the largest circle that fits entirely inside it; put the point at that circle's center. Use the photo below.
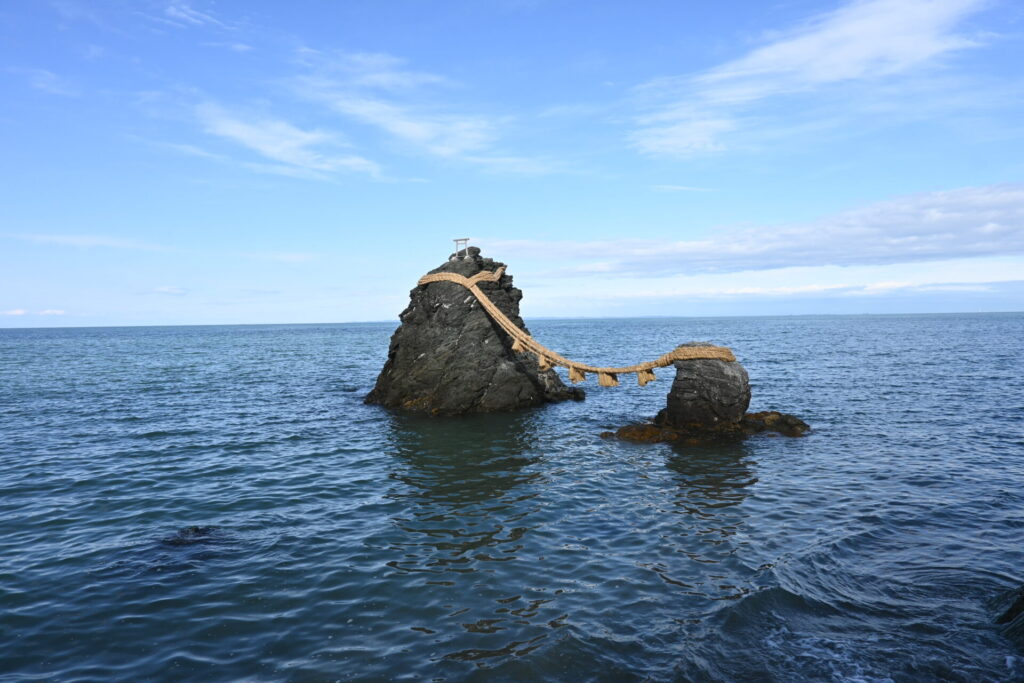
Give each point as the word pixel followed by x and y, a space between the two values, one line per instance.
pixel 1011 615
pixel 708 401
pixel 706 393
pixel 750 424
pixel 448 357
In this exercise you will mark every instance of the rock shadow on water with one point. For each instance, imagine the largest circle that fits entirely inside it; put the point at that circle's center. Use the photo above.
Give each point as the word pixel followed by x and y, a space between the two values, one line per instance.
pixel 712 483
pixel 716 475
pixel 467 502
pixel 463 460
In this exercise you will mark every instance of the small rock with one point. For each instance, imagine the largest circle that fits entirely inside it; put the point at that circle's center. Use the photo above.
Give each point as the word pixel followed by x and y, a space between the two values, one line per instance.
pixel 191 535
pixel 770 422
pixel 706 393
pixel 774 421
pixel 647 433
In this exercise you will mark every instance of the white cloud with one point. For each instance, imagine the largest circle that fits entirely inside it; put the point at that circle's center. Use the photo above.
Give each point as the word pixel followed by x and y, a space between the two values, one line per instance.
pixel 443 135
pixel 865 39
pixel 862 41
pixel 280 141
pixel 183 13
pixel 192 150
pixel 15 311
pixel 173 291
pixel 870 289
pixel 46 81
pixel 682 138
pixel 369 69
pixel 89 241
pixel 963 223
pixel 52 311
pixel 380 91
pixel 993 279
pixel 236 47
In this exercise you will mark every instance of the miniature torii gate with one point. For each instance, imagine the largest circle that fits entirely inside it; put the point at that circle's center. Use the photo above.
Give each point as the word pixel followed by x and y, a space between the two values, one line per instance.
pixel 461 244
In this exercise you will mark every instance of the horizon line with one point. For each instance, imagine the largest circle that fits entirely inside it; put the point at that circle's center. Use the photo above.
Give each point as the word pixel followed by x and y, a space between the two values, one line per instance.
pixel 630 317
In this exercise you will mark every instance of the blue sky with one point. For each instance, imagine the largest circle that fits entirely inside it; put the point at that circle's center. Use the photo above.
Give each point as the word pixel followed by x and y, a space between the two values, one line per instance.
pixel 176 162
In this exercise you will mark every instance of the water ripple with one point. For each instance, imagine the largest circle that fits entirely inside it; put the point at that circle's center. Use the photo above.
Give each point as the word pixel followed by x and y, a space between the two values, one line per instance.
pixel 216 503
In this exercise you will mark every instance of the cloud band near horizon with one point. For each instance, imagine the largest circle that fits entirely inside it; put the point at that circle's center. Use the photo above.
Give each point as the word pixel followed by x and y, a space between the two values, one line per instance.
pixel 968 222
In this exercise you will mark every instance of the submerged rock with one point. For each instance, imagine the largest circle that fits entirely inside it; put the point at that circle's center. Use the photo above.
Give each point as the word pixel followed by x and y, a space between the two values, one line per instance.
pixel 448 357
pixel 695 434
pixel 1011 615
pixel 191 535
pixel 706 393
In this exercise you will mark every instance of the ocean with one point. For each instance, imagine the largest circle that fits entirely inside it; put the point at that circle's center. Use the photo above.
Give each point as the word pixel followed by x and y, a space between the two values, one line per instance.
pixel 216 503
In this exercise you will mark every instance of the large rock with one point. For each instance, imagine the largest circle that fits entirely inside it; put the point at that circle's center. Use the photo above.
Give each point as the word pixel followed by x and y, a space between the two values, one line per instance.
pixel 449 358
pixel 706 393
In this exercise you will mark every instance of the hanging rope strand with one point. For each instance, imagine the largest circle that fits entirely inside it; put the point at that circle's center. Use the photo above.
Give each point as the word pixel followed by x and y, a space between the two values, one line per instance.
pixel 546 358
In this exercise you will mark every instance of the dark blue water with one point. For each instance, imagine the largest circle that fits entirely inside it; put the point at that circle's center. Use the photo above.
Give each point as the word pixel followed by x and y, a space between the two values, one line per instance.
pixel 338 541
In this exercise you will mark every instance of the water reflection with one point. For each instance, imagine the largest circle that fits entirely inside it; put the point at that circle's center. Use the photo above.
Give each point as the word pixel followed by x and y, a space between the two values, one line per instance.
pixel 712 482
pixel 468 491
pixel 459 462
pixel 711 477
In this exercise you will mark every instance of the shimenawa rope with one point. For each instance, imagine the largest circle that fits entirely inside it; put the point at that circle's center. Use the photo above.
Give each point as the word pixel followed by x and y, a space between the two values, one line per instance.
pixel 546 358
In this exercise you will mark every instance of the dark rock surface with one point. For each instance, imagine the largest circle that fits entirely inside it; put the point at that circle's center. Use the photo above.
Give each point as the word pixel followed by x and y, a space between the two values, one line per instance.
pixel 191 535
pixel 1010 608
pixel 694 435
pixel 706 393
pixel 449 358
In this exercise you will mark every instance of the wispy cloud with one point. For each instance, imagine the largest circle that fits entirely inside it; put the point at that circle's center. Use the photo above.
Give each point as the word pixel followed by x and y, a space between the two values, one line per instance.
pixel 381 91
pixel 310 151
pixel 369 70
pixel 170 290
pixel 190 150
pixel 871 289
pixel 445 135
pixel 236 47
pixel 962 223
pixel 52 311
pixel 862 41
pixel 46 81
pixel 184 14
pixel 15 311
pixel 88 241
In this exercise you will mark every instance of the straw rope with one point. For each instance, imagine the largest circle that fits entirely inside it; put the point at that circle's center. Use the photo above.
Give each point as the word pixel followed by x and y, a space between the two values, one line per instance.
pixel 546 358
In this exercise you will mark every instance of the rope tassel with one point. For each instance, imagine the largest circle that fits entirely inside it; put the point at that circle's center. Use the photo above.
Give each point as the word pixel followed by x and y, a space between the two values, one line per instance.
pixel 607 379
pixel 645 376
pixel 543 364
pixel 576 375
pixel 517 345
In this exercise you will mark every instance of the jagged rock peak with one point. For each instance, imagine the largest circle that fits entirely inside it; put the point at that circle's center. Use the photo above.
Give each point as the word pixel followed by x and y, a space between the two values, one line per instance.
pixel 448 357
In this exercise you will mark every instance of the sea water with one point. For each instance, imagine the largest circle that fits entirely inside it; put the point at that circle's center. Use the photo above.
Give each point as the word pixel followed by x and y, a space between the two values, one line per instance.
pixel 216 503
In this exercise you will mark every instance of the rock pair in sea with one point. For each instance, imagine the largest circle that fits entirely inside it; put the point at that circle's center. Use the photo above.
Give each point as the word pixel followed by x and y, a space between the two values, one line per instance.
pixel 449 357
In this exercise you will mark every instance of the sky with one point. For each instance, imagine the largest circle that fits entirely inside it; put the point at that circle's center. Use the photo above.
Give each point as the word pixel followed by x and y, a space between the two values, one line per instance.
pixel 172 162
